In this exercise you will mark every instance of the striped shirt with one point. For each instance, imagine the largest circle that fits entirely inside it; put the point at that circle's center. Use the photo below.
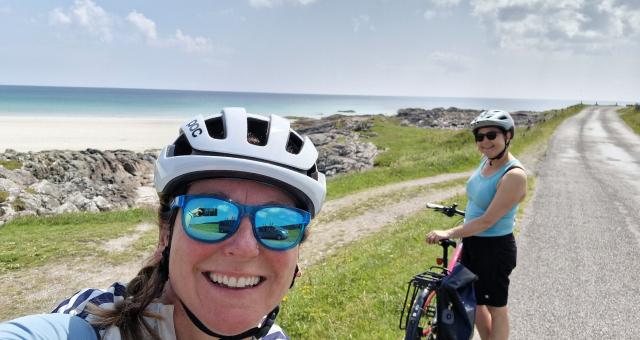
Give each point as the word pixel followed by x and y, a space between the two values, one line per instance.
pixel 106 299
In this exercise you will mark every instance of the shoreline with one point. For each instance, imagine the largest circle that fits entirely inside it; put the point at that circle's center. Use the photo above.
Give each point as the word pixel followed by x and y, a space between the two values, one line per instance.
pixel 35 133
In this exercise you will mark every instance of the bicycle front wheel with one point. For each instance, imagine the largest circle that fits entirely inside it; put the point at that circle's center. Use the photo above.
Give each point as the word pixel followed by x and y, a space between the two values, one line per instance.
pixel 422 320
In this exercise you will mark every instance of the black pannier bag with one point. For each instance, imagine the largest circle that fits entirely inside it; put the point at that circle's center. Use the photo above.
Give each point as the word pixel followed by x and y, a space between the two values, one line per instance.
pixel 457 305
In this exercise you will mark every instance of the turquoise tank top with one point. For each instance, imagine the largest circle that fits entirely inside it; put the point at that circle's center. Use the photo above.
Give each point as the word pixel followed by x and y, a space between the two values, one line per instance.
pixel 480 193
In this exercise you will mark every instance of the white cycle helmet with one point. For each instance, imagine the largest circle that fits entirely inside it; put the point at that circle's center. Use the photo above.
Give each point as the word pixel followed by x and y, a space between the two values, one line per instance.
pixel 497 118
pixel 219 146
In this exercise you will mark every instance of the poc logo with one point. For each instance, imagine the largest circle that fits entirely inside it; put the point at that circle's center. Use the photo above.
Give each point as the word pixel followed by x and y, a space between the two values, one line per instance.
pixel 194 127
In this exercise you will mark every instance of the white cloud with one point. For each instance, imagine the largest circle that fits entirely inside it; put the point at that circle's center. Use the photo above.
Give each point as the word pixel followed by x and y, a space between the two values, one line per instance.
pixel 144 24
pixel 57 16
pixel 5 10
pixel 560 25
pixel 189 43
pixel 362 21
pixel 274 3
pixel 86 14
pixel 450 62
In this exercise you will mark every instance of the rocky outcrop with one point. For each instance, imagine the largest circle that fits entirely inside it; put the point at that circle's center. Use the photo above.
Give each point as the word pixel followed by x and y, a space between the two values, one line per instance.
pixel 52 182
pixel 455 118
pixel 57 181
pixel 338 141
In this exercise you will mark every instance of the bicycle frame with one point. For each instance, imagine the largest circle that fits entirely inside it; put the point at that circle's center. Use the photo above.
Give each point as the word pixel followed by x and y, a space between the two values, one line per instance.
pixel 427 283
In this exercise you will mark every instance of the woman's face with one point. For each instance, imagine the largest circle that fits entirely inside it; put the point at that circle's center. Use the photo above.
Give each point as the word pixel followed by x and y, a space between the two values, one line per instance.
pixel 491 148
pixel 194 265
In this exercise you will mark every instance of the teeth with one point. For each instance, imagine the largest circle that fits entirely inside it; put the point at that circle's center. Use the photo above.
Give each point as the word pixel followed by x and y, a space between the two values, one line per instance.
pixel 234 282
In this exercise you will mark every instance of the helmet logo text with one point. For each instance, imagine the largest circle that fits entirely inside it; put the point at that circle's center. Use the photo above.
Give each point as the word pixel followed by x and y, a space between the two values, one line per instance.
pixel 194 127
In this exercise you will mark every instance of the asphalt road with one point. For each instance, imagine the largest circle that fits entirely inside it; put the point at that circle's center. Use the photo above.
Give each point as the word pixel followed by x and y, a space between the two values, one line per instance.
pixel 578 273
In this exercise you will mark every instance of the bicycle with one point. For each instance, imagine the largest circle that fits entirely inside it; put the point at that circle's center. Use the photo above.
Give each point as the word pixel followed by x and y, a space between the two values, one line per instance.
pixel 421 319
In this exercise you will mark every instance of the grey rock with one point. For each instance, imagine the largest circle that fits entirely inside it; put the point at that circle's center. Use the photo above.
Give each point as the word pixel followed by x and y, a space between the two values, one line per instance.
pixel 101 203
pixel 9 186
pixel 455 118
pixel 46 188
pixel 66 208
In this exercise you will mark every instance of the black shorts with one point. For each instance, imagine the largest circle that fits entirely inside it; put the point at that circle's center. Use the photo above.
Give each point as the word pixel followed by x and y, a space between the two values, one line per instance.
pixel 492 259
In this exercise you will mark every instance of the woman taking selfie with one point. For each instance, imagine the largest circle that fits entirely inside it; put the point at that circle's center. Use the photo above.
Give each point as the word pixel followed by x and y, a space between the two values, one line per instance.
pixel 237 192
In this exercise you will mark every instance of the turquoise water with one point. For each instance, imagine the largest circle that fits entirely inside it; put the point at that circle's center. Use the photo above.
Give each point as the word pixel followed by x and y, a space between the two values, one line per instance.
pixel 112 102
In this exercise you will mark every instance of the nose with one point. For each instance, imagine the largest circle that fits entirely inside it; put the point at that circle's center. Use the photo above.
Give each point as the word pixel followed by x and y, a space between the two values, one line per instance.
pixel 243 243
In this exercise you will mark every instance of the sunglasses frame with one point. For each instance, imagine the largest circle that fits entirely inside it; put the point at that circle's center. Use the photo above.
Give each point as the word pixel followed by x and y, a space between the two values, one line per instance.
pixel 181 201
pixel 483 135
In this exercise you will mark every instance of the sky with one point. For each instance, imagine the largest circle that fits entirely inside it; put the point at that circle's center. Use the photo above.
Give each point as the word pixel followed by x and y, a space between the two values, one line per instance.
pixel 547 49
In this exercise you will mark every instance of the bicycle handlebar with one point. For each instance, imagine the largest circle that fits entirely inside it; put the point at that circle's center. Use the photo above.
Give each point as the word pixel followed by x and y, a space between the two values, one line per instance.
pixel 447 210
pixel 447 243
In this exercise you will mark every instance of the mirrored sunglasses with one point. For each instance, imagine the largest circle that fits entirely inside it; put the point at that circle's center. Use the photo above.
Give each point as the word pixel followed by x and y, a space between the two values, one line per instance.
pixel 213 219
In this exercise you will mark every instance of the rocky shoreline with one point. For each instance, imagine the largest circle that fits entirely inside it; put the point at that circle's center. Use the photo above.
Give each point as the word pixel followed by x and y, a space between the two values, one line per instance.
pixel 58 181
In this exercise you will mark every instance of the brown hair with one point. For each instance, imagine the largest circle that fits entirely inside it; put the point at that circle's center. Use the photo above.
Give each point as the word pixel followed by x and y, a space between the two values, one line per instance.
pixel 142 290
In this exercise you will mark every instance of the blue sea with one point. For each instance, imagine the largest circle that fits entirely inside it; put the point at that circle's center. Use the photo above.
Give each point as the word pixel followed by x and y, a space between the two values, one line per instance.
pixel 144 103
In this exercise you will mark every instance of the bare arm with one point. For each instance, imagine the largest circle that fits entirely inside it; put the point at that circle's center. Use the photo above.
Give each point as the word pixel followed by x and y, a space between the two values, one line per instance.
pixel 512 189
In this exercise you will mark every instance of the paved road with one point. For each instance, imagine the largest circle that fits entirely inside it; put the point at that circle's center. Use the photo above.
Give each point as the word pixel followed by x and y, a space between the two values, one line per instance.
pixel 578 274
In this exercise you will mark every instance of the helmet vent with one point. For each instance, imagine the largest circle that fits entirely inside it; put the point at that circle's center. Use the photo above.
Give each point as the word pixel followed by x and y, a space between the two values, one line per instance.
pixel 215 128
pixel 182 146
pixel 257 131
pixel 294 144
pixel 313 172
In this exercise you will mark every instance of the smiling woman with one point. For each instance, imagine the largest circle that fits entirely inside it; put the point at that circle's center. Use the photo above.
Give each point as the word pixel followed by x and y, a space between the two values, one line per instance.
pixel 237 191
pixel 494 191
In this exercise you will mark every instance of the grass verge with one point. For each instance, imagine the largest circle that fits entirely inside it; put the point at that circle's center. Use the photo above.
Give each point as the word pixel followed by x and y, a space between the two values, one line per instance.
pixel 28 242
pixel 631 116
pixel 357 293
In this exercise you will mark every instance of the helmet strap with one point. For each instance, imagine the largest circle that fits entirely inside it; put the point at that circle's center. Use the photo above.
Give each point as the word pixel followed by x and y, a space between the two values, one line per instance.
pixel 295 274
pixel 501 154
pixel 255 332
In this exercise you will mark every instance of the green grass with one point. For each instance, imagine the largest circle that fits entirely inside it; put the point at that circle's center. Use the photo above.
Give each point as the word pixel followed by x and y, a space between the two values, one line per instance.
pixel 357 293
pixel 28 242
pixel 411 152
pixel 10 164
pixel 631 116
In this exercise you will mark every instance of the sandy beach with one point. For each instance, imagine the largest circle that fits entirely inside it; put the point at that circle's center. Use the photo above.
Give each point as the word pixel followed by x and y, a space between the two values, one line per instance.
pixel 79 133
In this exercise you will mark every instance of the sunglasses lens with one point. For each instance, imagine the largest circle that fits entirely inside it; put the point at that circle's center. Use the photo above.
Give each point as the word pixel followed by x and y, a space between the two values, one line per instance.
pixel 209 219
pixel 491 135
pixel 280 228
